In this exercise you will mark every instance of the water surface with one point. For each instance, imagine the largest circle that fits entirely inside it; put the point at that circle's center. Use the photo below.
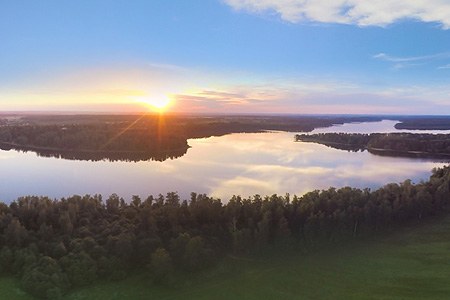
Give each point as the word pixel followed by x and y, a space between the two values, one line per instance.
pixel 244 164
pixel 385 126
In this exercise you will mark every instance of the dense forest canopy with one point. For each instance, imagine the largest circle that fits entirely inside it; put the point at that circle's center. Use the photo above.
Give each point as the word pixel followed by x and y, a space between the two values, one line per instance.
pixel 57 245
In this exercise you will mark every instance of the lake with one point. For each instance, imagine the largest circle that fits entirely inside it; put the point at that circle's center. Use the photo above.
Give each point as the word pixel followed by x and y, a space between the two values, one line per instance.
pixel 244 164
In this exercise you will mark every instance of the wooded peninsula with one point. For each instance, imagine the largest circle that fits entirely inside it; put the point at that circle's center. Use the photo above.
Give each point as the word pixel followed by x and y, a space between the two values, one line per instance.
pixel 390 144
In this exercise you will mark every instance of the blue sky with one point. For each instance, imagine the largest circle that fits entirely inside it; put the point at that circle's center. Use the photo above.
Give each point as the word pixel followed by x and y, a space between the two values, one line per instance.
pixel 243 56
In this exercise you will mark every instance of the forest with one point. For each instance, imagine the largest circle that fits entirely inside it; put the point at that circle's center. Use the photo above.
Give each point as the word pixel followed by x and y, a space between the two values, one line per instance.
pixel 54 246
pixel 394 144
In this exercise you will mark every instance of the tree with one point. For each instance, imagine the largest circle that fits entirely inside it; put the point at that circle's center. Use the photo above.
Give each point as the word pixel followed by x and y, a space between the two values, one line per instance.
pixel 6 260
pixel 45 279
pixel 80 268
pixel 161 266
pixel 16 234
pixel 196 255
pixel 112 204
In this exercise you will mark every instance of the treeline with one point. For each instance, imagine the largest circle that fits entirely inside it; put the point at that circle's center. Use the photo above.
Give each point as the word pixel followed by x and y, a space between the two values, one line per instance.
pixel 398 144
pixel 197 127
pixel 56 245
pixel 344 141
pixel 425 123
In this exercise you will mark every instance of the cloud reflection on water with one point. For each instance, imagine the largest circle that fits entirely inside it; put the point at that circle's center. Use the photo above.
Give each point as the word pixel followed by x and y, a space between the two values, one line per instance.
pixel 245 164
pixel 272 163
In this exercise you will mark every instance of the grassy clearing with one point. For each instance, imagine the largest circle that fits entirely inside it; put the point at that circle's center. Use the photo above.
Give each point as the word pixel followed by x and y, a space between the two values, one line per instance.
pixel 10 289
pixel 413 263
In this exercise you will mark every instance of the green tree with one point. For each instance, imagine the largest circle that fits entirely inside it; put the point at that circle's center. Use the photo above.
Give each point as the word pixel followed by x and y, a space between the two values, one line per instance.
pixel 45 279
pixel 161 266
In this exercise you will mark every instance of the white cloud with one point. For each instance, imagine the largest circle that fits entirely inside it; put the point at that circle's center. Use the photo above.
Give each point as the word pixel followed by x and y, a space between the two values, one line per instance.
pixel 402 62
pixel 356 12
pixel 398 59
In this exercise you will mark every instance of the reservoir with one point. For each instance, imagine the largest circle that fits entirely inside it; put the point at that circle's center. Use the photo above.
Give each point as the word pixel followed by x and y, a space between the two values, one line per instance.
pixel 236 164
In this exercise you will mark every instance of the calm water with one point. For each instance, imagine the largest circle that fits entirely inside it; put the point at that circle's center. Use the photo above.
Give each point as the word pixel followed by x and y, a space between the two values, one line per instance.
pixel 385 126
pixel 244 164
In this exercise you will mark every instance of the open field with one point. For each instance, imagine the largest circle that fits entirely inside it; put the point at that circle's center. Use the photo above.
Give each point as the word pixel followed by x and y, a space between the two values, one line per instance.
pixel 412 263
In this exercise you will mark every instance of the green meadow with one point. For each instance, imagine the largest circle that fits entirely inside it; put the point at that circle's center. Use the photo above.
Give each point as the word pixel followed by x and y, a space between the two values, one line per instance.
pixel 411 263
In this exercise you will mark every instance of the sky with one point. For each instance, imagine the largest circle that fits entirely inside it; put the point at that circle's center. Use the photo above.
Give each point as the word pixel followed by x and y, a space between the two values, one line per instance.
pixel 226 56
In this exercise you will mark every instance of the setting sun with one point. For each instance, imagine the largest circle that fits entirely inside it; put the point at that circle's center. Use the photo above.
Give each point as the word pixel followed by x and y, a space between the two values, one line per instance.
pixel 157 103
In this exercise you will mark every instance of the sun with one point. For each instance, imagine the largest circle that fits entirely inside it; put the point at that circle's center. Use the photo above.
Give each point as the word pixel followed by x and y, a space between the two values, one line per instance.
pixel 159 104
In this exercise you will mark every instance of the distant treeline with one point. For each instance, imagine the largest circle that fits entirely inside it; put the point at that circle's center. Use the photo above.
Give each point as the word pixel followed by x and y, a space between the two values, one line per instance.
pixel 425 123
pixel 56 245
pixel 147 137
pixel 395 144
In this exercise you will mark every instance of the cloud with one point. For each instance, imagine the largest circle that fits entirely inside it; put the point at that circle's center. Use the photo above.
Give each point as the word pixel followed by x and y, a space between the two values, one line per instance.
pixel 354 12
pixel 402 62
pixel 220 94
pixel 398 59
pixel 207 100
pixel 264 95
pixel 447 66
pixel 300 95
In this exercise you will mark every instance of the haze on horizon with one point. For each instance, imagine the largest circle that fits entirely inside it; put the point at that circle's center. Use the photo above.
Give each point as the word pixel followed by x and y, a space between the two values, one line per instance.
pixel 232 56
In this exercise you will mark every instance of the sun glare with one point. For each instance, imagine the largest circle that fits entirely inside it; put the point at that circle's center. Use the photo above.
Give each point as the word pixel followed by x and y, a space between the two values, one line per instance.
pixel 159 104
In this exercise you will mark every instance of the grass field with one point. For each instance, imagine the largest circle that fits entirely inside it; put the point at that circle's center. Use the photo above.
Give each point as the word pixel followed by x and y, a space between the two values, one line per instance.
pixel 10 289
pixel 413 263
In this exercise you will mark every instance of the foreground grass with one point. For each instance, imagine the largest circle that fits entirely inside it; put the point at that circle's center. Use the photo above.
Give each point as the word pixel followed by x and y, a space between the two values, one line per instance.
pixel 10 289
pixel 413 263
